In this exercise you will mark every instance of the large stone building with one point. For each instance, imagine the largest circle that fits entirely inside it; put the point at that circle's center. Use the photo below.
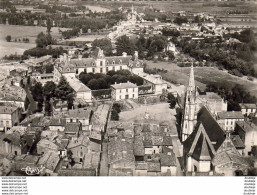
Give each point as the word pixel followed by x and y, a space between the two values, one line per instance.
pixel 99 63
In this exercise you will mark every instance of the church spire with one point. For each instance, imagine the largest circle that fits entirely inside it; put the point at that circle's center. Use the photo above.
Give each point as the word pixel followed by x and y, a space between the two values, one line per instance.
pixel 190 107
pixel 191 83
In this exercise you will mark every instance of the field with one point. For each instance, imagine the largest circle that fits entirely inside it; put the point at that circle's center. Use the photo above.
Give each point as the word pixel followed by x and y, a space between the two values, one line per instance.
pixel 20 32
pixel 203 76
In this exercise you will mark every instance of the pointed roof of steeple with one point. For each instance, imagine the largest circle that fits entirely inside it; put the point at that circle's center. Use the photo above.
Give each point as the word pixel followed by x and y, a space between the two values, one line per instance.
pixel 191 83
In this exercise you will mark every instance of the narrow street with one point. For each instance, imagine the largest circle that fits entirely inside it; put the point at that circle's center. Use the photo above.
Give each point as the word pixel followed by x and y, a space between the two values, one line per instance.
pixel 178 150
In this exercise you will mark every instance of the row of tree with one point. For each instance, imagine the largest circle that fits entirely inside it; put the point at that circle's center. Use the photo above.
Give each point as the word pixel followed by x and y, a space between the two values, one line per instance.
pixel 43 94
pixel 103 81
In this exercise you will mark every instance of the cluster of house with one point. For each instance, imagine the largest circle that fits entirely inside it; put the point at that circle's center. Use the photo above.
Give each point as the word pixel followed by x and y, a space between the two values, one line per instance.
pixel 141 148
pixel 216 141
pixel 66 145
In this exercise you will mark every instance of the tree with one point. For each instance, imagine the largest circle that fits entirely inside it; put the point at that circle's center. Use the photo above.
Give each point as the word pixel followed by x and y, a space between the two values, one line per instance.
pixel 8 38
pixel 114 115
pixel 37 94
pixel 43 40
pixel 171 100
pixel 93 84
pixel 105 44
pixel 64 92
pixel 49 25
pixel 49 90
pixel 124 44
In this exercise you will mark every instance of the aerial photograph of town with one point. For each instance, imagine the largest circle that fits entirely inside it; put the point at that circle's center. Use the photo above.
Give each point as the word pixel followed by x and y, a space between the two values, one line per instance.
pixel 128 88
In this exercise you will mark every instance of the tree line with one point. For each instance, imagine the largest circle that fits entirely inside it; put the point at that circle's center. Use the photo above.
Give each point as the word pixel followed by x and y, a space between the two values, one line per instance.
pixel 104 81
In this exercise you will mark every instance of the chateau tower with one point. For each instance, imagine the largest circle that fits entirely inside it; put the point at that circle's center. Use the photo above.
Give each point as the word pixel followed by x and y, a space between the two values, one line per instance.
pixel 190 107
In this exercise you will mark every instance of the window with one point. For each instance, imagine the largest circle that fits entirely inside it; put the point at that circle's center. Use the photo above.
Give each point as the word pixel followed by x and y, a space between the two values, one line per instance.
pixel 113 68
pixel 107 69
pixel 133 95
pixel 101 70
pixel 120 67
pixel 231 122
pixel 120 61
pixel 77 71
pixel 113 62
pixel 101 63
pixel 120 96
pixel 93 70
pixel 127 90
pixel 85 70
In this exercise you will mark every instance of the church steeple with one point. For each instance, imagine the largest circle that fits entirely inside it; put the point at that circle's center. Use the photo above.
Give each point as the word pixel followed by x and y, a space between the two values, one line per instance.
pixel 191 83
pixel 190 107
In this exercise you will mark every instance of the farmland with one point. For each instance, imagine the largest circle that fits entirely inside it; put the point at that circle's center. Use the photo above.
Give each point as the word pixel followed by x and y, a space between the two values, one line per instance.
pixel 203 76
pixel 20 32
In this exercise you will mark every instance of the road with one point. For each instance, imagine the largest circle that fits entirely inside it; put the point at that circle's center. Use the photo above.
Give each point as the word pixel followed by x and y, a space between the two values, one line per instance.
pixel 178 150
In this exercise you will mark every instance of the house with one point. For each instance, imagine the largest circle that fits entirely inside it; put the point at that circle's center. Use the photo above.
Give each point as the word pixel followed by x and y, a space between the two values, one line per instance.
pixel 120 155
pixel 141 169
pixel 79 148
pixel 201 145
pixel 213 102
pixel 59 106
pixel 228 161
pixel 11 144
pixel 81 91
pixel 9 116
pixel 168 163
pixel 49 162
pixel 247 132
pixel 57 124
pixel 158 85
pixel 73 129
pixel 81 115
pixel 45 146
pixel 153 168
pixel 227 120
pixel 248 109
pixel 124 91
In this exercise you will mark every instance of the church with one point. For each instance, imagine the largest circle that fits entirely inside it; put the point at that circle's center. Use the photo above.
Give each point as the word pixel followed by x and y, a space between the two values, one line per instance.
pixel 201 135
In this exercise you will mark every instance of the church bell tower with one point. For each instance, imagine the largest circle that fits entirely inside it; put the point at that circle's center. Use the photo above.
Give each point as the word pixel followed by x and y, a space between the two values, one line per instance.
pixel 190 107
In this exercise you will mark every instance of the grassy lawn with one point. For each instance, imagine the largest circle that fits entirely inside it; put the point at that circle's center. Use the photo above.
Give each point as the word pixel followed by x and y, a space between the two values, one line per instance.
pixel 203 76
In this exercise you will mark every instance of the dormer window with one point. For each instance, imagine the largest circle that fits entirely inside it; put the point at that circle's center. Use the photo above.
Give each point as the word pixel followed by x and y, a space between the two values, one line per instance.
pixel 68 70
pixel 107 62
pixel 113 62
pixel 120 61
pixel 93 64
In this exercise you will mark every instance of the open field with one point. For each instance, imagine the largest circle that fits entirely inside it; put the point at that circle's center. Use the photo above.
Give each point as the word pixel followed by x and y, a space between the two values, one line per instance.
pixel 20 32
pixel 209 7
pixel 159 112
pixel 203 76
